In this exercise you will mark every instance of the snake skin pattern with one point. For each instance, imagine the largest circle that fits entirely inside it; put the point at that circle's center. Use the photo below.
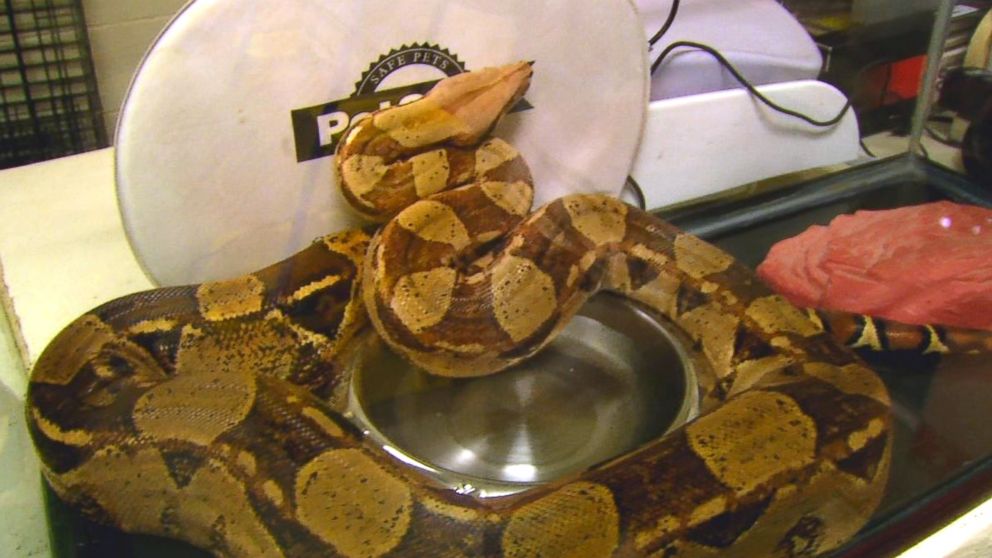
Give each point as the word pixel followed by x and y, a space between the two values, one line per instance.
pixel 214 413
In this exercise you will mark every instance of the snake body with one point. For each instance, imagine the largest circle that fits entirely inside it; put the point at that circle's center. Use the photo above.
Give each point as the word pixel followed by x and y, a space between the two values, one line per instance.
pixel 214 413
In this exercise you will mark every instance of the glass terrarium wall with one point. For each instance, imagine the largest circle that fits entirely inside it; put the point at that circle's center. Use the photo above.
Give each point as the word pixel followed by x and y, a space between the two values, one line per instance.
pixel 904 66
pixel 958 113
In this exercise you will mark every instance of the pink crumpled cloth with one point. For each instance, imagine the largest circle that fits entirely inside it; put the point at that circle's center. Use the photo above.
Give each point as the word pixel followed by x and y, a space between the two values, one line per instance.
pixel 929 263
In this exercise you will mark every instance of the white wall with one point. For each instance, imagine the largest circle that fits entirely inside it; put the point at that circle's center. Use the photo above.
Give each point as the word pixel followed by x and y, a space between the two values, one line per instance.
pixel 120 32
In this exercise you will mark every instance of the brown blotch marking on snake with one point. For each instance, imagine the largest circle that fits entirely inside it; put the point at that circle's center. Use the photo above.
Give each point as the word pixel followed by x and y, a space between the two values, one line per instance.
pixel 787 521
pixel 215 373
pixel 136 490
pixel 264 347
pixel 382 316
pixel 864 462
pixel 601 220
pixel 527 346
pixel 716 330
pixel 362 172
pixel 660 293
pixel 182 464
pixel 223 400
pixel 458 513
pixel 327 312
pixel 723 529
pixel 577 520
pixel 523 296
pixel 483 221
pixel 705 511
pixel 750 372
pixel 431 171
pixel 657 259
pixel 246 461
pixel 617 275
pixel 801 539
pixel 661 529
pixel 119 314
pixel 699 258
pixel 71 349
pixel 70 437
pixel 214 493
pixel 308 339
pixel 639 272
pixel 688 298
pixel 351 244
pixel 129 359
pixel 561 251
pixel 774 315
pixel 421 299
pixel 855 379
pixel 925 338
pixel 463 348
pixel 350 502
pixel 466 322
pixel 593 275
pixel 272 491
pixel 752 438
pixel 223 300
pixel 321 284
pixel 846 423
pixel 750 346
pixel 644 265
pixel 329 257
pixel 461 532
pixel 492 154
pixel 156 347
pixel 326 424
pixel 513 197
pixel 858 439
pixel 158 325
pixel 434 221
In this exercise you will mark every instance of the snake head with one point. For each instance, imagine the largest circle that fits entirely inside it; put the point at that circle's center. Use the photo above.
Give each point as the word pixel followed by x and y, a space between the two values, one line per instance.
pixel 481 97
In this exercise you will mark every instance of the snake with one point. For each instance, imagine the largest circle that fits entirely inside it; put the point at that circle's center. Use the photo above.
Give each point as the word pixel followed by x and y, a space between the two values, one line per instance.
pixel 217 413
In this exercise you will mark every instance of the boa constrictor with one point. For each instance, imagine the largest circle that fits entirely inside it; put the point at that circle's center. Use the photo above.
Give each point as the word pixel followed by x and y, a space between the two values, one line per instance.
pixel 214 413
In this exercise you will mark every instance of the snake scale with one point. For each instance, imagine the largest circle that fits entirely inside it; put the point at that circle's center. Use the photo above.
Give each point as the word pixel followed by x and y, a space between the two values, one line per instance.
pixel 213 413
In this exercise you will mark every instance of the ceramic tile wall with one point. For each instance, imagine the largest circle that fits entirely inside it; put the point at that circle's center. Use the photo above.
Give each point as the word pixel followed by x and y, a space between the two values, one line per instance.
pixel 120 32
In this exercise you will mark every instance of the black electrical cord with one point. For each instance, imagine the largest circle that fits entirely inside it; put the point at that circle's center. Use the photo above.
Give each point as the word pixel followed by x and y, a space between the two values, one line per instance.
pixel 864 148
pixel 748 85
pixel 637 191
pixel 667 25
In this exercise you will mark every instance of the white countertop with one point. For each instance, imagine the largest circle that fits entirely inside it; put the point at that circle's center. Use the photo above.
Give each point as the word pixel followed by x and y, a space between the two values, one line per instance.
pixel 62 245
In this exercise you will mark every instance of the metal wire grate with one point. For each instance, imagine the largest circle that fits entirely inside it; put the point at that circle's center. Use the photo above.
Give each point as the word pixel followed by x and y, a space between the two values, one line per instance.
pixel 49 104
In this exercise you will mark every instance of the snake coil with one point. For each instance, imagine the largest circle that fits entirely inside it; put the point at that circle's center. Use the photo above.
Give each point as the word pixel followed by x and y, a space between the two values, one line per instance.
pixel 213 413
